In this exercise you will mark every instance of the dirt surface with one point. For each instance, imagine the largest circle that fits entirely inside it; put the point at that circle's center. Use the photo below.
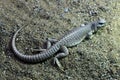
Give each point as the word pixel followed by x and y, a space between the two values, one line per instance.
pixel 94 59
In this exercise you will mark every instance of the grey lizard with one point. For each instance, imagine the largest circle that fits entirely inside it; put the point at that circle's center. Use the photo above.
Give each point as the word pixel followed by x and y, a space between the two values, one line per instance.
pixel 72 38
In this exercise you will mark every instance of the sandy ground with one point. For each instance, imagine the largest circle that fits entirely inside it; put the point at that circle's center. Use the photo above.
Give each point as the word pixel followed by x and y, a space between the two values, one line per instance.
pixel 94 59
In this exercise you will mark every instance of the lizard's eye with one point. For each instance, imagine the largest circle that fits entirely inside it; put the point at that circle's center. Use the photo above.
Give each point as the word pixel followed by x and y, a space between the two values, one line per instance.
pixel 100 23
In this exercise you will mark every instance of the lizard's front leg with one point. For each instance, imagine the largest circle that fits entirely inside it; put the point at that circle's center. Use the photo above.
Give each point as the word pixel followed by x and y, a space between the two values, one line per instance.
pixel 89 35
pixel 64 53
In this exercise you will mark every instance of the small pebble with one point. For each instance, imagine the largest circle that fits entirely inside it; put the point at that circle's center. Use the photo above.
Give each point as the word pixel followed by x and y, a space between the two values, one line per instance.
pixel 93 13
pixel 66 10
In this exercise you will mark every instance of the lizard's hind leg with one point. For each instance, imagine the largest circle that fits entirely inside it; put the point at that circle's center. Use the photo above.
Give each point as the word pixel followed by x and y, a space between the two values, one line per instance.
pixel 49 43
pixel 64 53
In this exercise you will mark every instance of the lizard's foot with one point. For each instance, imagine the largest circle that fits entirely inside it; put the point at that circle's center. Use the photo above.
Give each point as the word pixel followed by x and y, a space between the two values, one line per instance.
pixel 57 62
pixel 61 55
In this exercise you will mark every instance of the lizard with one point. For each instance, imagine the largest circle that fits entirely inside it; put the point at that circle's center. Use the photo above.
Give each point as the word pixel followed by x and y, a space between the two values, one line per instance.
pixel 71 38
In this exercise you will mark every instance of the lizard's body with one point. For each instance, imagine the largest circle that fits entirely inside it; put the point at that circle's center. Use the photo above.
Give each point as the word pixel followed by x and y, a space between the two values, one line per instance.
pixel 73 37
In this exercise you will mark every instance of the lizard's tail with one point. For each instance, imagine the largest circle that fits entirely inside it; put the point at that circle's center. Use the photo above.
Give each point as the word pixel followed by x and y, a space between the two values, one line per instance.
pixel 33 58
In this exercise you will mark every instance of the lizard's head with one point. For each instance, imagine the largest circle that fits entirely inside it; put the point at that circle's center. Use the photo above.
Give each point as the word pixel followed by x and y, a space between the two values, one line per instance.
pixel 98 24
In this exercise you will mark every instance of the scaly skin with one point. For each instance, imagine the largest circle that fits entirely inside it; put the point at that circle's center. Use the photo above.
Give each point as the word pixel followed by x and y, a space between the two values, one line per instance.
pixel 72 38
